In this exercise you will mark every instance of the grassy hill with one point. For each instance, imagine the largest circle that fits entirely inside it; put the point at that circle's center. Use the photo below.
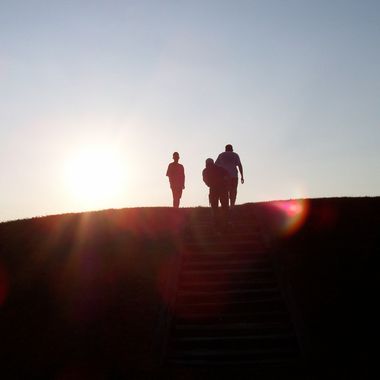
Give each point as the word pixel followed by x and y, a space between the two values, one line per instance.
pixel 329 267
pixel 81 295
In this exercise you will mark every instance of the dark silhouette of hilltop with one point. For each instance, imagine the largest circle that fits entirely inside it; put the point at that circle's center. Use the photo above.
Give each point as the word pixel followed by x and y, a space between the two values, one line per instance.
pixel 88 295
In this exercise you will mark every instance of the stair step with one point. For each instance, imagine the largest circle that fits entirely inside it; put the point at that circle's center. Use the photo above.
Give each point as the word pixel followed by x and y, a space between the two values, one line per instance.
pixel 211 242
pixel 222 353
pixel 198 277
pixel 232 236
pixel 222 247
pixel 233 328
pixel 287 344
pixel 248 316
pixel 253 364
pixel 225 258
pixel 228 299
pixel 195 288
pixel 225 254
pixel 242 328
pixel 233 223
pixel 227 271
pixel 233 338
pixel 200 293
pixel 232 301
pixel 248 256
pixel 229 307
pixel 231 281
pixel 225 265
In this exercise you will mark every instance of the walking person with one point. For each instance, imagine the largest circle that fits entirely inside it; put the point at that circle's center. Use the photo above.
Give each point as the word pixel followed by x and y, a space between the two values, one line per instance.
pixel 176 174
pixel 216 178
pixel 230 161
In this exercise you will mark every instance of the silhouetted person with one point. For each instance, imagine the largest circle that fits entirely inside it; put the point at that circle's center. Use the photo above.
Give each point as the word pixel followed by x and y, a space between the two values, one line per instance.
pixel 216 178
pixel 230 160
pixel 176 174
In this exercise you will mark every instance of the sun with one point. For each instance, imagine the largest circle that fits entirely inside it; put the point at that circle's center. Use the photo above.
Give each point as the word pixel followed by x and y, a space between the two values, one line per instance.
pixel 95 176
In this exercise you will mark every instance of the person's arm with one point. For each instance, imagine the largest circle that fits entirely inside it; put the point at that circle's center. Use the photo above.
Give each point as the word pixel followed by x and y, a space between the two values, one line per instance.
pixel 240 166
pixel 183 176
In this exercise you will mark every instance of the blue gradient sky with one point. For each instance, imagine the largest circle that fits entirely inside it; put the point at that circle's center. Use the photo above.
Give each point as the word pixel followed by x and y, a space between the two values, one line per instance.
pixel 293 85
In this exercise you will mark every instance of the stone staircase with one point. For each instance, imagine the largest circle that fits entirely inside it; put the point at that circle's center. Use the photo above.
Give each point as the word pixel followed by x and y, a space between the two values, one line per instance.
pixel 228 316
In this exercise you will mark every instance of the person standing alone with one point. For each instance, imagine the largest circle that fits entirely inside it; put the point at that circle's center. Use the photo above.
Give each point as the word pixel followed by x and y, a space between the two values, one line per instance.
pixel 176 174
pixel 230 161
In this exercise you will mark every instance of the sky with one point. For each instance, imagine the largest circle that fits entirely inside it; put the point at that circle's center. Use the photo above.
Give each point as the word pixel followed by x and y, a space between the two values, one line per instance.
pixel 95 96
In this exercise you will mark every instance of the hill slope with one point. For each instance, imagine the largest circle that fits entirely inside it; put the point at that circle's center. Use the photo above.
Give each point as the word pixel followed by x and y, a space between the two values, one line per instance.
pixel 82 294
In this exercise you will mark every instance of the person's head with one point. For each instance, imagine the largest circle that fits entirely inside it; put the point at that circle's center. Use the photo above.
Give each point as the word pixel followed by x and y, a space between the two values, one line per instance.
pixel 209 162
pixel 176 156
pixel 229 148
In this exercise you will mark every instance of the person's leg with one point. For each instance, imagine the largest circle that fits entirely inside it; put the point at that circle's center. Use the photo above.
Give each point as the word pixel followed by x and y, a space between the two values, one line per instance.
pixel 177 193
pixel 223 196
pixel 213 197
pixel 174 198
pixel 229 190
pixel 233 190
pixel 179 196
pixel 214 200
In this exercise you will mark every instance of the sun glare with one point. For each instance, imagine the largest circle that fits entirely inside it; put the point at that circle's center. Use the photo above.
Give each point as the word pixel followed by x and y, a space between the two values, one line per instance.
pixel 95 176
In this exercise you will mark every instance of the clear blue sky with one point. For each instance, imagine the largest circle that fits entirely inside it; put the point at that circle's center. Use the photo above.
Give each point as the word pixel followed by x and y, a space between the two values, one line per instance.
pixel 293 85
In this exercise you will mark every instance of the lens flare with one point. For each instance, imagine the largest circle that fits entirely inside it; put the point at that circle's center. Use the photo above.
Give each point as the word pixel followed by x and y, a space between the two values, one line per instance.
pixel 294 213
